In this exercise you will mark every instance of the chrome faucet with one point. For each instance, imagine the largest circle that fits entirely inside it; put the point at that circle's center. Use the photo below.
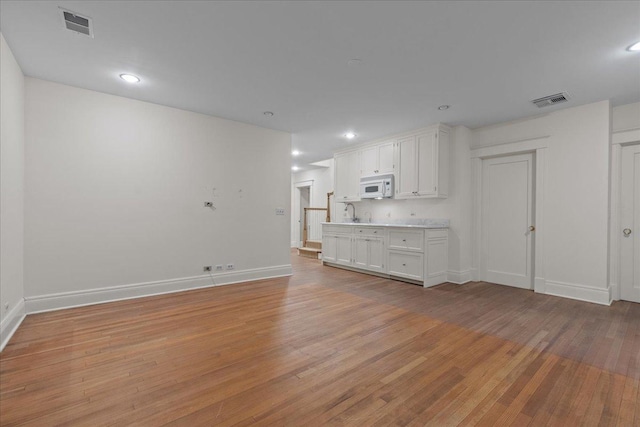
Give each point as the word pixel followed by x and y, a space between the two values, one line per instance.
pixel 346 208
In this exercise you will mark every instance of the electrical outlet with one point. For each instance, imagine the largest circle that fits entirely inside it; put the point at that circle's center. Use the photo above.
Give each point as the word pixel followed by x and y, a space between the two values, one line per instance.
pixel 230 267
pixel 279 211
pixel 219 267
pixel 206 268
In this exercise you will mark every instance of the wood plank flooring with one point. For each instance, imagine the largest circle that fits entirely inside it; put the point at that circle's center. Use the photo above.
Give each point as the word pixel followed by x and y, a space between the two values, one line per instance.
pixel 327 347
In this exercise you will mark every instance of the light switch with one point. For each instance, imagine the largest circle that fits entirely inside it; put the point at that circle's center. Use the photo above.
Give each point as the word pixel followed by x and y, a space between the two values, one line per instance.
pixel 279 211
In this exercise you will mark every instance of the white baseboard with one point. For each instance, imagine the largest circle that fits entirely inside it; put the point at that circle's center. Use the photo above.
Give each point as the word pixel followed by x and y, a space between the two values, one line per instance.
pixel 615 295
pixel 475 275
pixel 10 323
pixel 42 303
pixel 459 277
pixel 540 285
pixel 578 292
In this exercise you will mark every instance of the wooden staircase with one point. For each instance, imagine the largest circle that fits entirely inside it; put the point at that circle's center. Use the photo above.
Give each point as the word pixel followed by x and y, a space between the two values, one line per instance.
pixel 312 249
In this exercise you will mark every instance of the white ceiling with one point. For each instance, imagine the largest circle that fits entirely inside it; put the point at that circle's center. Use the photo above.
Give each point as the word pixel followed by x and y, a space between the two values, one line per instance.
pixel 238 59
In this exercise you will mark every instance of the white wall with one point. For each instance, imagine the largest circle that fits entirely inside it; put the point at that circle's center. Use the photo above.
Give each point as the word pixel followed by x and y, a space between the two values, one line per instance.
pixel 456 207
pixel 626 117
pixel 11 193
pixel 625 127
pixel 114 196
pixel 322 184
pixel 576 202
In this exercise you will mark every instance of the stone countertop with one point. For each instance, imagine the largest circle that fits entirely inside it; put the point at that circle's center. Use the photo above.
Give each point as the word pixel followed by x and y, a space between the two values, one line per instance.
pixel 422 223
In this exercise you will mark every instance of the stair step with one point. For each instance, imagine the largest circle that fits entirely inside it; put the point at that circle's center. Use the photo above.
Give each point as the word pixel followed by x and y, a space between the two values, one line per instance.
pixel 317 244
pixel 309 252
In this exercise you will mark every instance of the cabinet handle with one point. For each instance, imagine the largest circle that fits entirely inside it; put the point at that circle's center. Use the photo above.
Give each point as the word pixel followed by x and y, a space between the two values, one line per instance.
pixel 375 232
pixel 404 240
pixel 404 265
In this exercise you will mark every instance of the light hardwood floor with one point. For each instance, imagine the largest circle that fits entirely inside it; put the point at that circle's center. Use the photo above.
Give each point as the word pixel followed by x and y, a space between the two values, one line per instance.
pixel 327 347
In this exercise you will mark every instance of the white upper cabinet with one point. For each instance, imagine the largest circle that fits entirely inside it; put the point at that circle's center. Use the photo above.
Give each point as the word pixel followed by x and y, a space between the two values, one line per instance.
pixel 418 160
pixel 407 178
pixel 347 176
pixel 377 159
pixel 423 164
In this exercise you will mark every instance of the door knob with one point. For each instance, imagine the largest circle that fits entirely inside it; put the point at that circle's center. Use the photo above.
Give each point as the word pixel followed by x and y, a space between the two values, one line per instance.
pixel 626 232
pixel 532 228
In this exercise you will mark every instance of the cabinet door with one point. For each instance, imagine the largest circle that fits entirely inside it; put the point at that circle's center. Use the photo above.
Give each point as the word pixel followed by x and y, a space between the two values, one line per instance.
pixel 353 186
pixel 386 156
pixel 360 252
pixel 406 264
pixel 341 184
pixel 427 145
pixel 407 178
pixel 369 161
pixel 329 248
pixel 347 177
pixel 343 250
pixel 376 254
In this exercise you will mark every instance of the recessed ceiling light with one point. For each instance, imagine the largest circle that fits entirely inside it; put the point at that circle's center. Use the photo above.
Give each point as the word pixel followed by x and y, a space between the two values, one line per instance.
pixel 294 168
pixel 349 135
pixel 268 113
pixel 443 107
pixel 295 153
pixel 634 47
pixel 129 78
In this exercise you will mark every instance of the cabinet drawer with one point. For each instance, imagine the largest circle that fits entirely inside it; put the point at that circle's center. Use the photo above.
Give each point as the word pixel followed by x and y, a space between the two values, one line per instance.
pixel 368 231
pixel 406 264
pixel 437 234
pixel 408 240
pixel 336 229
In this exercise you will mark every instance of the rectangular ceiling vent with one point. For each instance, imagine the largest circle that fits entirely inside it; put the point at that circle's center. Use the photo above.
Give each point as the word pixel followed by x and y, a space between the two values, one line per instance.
pixel 551 99
pixel 77 23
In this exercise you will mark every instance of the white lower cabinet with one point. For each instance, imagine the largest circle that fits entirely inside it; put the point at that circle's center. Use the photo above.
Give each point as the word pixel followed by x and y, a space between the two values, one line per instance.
pixel 417 255
pixel 409 265
pixel 329 247
pixel 368 253
pixel 343 249
pixel 336 244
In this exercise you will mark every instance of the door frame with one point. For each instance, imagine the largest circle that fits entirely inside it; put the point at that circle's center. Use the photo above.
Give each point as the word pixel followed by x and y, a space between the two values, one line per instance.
pixel 538 146
pixel 296 238
pixel 619 139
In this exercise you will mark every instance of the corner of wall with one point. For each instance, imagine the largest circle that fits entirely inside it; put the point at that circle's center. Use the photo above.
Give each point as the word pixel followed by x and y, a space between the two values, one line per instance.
pixel 12 142
pixel 10 323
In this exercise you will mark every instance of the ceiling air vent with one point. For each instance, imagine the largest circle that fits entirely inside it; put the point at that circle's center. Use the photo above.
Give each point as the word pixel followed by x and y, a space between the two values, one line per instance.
pixel 77 23
pixel 551 99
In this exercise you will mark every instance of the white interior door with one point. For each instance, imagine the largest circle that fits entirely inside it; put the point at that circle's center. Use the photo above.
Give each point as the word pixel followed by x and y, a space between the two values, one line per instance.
pixel 507 215
pixel 630 210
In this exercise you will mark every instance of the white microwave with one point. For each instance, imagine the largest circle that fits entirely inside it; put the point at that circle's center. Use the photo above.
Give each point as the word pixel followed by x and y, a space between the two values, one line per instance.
pixel 376 187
